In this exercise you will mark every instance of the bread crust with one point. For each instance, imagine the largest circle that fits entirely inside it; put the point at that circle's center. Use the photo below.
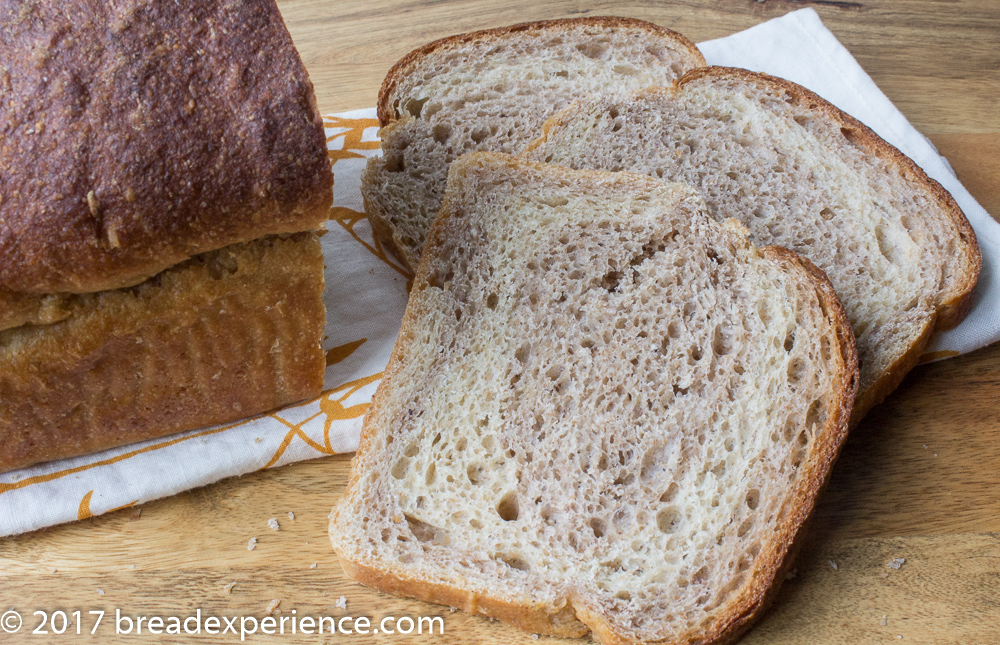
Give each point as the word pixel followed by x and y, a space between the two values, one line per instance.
pixel 412 59
pixel 140 134
pixel 226 335
pixel 769 569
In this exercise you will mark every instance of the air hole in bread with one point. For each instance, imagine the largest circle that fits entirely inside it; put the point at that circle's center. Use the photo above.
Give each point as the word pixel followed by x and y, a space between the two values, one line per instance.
pixel 852 137
pixel 815 415
pixel 431 473
pixel 554 201
pixel 442 132
pixel 598 526
pixel 479 134
pixel 415 106
pixel 752 498
pixel 669 520
pixel 394 162
pixel 745 527
pixel 475 472
pixel 671 492
pixel 515 562
pixel 594 49
pixel 492 300
pixel 789 340
pixel 399 469
pixel 507 507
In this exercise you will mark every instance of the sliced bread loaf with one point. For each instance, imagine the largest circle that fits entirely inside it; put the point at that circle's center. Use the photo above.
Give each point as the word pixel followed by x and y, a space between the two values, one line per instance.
pixel 493 90
pixel 801 174
pixel 605 412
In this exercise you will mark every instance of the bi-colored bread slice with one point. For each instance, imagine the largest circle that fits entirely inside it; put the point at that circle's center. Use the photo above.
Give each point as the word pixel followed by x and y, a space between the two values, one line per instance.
pixel 605 412
pixel 801 174
pixel 493 90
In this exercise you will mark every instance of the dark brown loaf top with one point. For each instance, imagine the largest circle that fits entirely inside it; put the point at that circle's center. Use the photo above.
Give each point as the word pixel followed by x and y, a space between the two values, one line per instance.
pixel 134 135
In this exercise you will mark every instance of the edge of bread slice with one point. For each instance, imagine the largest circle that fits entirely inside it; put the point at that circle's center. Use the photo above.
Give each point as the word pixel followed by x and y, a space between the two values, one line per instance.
pixel 492 90
pixel 605 411
pixel 802 174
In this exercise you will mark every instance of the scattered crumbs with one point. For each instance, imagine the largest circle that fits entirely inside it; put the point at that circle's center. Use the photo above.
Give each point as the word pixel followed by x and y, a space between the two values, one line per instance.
pixel 131 566
pixel 452 609
pixel 885 620
pixel 229 588
pixel 251 544
pixel 935 454
pixel 272 606
pixel 55 571
pixel 291 515
pixel 312 566
pixel 535 636
pixel 273 524
pixel 833 564
pixel 257 440
pixel 100 592
pixel 342 602
pixel 925 446
pixel 899 635
pixel 895 563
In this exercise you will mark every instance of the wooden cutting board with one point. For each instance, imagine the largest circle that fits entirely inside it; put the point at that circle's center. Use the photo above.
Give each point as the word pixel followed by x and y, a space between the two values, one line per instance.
pixel 918 480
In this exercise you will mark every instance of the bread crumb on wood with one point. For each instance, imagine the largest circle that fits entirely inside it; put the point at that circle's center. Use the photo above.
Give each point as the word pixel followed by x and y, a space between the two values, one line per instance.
pixel 273 524
pixel 229 587
pixel 885 620
pixel 895 563
pixel 100 592
pixel 312 566
pixel 251 544
pixel 535 636
pixel 272 606
pixel 342 602
pixel 833 565
pixel 291 515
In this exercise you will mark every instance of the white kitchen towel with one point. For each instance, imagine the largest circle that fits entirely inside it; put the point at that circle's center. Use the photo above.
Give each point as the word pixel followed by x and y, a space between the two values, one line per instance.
pixel 366 296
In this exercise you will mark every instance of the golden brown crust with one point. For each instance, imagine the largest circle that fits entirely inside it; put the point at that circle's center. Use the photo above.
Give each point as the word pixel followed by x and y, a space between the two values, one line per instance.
pixel 225 335
pixel 405 64
pixel 769 569
pixel 140 134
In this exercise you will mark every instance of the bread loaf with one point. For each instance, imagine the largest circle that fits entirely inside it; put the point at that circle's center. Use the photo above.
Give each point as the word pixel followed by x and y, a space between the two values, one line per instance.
pixel 492 90
pixel 801 174
pixel 605 411
pixel 162 164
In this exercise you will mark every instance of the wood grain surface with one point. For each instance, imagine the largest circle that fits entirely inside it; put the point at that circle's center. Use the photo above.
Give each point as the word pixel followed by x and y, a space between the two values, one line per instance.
pixel 919 479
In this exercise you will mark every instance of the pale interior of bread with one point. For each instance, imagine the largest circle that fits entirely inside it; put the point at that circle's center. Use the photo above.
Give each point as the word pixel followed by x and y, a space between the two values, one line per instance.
pixel 599 397
pixel 797 178
pixel 495 94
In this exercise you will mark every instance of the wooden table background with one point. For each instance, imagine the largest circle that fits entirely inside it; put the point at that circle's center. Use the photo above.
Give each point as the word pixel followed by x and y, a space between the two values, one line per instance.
pixel 919 479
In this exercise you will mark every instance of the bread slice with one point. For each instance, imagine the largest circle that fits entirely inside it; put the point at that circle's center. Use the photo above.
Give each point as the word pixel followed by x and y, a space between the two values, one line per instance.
pixel 493 90
pixel 801 174
pixel 225 335
pixel 605 411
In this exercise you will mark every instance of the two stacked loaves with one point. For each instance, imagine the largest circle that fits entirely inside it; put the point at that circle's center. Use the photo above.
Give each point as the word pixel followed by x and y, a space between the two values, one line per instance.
pixel 162 172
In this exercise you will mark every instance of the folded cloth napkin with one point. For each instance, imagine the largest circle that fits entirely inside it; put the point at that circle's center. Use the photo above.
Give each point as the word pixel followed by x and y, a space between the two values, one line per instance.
pixel 366 295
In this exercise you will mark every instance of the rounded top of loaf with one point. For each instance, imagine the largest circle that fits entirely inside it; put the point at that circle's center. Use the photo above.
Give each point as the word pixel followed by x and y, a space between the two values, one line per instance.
pixel 138 134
